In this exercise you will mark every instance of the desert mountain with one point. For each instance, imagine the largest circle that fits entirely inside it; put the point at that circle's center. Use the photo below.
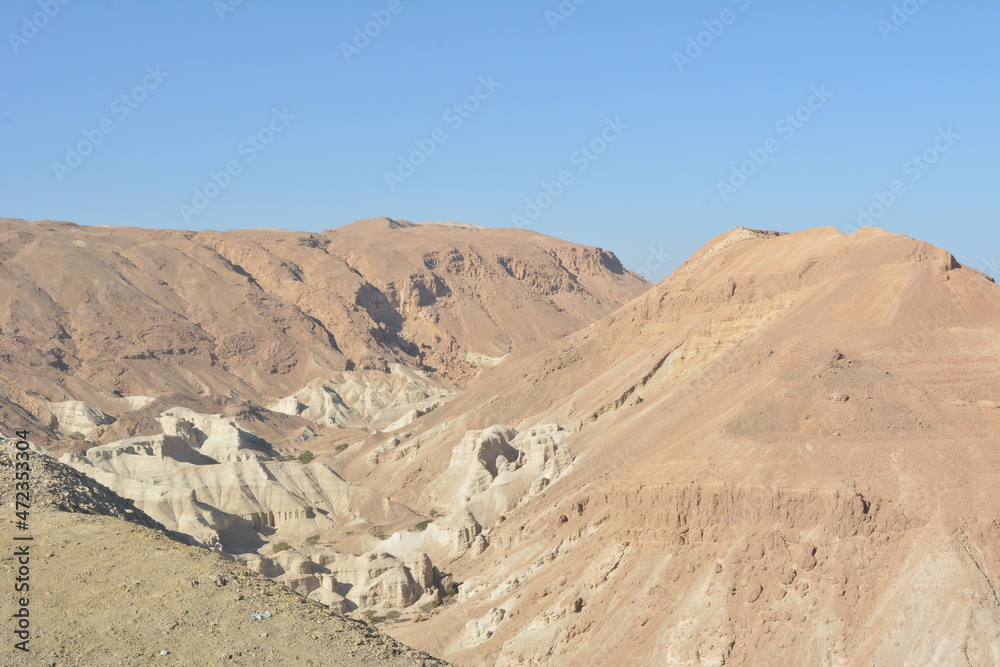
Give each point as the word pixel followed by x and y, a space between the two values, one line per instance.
pixel 784 453
pixel 195 373
pixel 109 315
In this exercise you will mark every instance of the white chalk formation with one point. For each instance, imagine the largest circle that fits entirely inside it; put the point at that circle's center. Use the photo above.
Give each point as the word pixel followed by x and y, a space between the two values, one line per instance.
pixel 208 478
pixel 494 470
pixel 78 418
pixel 217 437
pixel 366 399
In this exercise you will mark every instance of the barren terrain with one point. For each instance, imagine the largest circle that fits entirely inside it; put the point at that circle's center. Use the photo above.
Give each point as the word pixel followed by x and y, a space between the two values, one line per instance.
pixel 785 452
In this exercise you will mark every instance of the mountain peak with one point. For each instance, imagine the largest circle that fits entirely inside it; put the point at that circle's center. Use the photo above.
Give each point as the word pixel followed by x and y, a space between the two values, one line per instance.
pixel 723 241
pixel 372 224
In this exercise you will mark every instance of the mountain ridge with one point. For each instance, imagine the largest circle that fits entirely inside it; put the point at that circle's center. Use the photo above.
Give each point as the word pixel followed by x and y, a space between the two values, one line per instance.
pixel 263 313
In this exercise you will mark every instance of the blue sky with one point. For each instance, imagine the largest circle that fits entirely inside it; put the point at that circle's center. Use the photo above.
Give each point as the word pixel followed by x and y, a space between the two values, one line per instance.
pixel 642 127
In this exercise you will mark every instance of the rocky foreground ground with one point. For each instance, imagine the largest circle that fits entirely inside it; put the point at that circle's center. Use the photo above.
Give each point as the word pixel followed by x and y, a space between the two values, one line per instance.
pixel 109 588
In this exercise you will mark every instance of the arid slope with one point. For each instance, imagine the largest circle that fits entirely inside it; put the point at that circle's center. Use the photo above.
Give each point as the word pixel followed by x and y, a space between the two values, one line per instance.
pixel 784 453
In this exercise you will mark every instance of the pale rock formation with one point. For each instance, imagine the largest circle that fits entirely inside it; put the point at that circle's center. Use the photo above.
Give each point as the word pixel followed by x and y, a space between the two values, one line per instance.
pixel 78 417
pixel 484 360
pixel 325 594
pixel 296 571
pixel 214 436
pixel 305 435
pixel 136 402
pixel 494 470
pixel 420 568
pixel 169 446
pixel 366 398
pixel 392 443
pixel 478 630
pixel 260 564
pixel 457 531
pixel 491 472
pixel 444 539
pixel 176 508
pixel 375 579
pixel 407 419
pixel 378 579
pixel 219 504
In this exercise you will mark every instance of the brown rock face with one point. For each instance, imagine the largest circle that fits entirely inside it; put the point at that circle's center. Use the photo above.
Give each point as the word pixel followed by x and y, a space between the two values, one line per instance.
pixel 98 313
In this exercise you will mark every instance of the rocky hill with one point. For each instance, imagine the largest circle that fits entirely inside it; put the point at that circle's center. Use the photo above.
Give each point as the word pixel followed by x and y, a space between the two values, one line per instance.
pixel 198 374
pixel 784 453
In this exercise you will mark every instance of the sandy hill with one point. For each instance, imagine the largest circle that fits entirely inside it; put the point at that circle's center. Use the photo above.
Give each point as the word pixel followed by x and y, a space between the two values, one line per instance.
pixel 109 587
pixel 99 314
pixel 784 453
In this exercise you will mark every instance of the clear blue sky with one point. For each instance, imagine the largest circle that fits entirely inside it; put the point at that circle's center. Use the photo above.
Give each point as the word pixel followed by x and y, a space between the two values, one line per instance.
pixel 678 127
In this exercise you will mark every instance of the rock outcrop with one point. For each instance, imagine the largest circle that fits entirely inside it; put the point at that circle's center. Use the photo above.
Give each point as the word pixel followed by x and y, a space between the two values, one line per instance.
pixel 76 418
pixel 227 504
pixel 494 470
pixel 366 399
